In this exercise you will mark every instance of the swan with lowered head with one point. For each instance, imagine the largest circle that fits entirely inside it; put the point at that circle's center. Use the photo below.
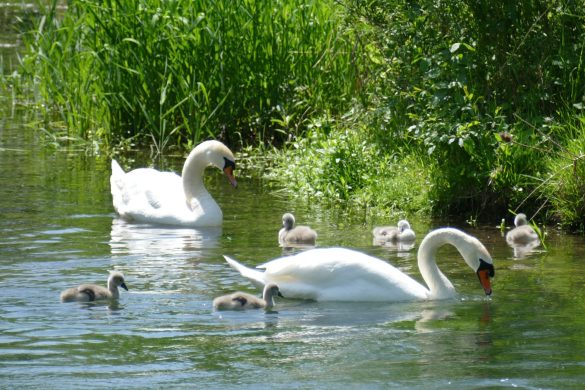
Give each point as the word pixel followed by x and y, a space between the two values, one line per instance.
pixel 289 234
pixel 242 301
pixel 400 233
pixel 92 292
pixel 150 196
pixel 338 274
pixel 523 233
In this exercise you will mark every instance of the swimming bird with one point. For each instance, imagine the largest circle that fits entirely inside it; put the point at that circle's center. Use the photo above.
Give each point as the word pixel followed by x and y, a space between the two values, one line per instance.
pixel 339 274
pixel 400 233
pixel 523 233
pixel 242 301
pixel 150 196
pixel 92 292
pixel 289 234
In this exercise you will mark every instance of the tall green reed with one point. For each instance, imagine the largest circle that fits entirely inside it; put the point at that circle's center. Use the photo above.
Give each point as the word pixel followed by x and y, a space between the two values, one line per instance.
pixel 563 188
pixel 174 72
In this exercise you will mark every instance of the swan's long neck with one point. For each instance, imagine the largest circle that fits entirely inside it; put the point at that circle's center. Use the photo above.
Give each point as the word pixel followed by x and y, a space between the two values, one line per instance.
pixel 440 287
pixel 193 176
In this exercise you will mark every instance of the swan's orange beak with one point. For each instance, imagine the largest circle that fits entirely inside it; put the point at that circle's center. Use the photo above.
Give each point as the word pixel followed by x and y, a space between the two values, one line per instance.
pixel 229 172
pixel 484 279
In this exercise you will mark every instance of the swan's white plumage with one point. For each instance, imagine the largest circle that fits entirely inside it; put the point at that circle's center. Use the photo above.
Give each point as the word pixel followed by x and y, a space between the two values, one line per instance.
pixel 150 196
pixel 335 274
pixel 339 274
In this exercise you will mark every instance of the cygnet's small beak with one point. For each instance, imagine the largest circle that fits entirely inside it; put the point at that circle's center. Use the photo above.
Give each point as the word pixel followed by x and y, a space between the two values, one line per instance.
pixel 229 172
pixel 123 285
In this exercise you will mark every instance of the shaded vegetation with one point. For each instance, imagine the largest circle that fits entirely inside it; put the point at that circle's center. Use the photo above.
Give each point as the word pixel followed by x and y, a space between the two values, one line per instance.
pixel 480 92
pixel 469 108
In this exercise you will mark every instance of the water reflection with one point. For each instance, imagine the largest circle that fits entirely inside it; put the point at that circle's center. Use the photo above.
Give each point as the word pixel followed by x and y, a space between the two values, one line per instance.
pixel 425 324
pixel 343 314
pixel 313 315
pixel 292 249
pixel 164 260
pixel 152 241
pixel 401 248
pixel 113 306
pixel 523 250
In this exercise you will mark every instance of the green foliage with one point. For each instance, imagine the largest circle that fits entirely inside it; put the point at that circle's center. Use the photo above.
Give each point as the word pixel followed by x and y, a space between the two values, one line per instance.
pixel 344 165
pixel 471 88
pixel 565 187
pixel 451 76
pixel 180 71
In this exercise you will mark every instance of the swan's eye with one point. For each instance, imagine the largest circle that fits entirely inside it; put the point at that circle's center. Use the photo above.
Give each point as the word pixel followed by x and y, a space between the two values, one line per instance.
pixel 228 163
pixel 485 265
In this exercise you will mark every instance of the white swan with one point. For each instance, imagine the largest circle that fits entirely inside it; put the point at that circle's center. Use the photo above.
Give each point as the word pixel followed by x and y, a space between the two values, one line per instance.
pixel 289 234
pixel 523 233
pixel 242 301
pixel 151 196
pixel 92 292
pixel 338 274
pixel 400 233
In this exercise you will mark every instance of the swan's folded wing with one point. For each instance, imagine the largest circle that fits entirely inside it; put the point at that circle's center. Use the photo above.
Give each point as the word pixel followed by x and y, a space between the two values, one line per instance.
pixel 343 275
pixel 163 189
pixel 146 189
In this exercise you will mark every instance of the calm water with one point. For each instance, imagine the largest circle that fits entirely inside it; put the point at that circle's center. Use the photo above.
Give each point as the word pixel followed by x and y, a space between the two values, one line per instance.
pixel 58 229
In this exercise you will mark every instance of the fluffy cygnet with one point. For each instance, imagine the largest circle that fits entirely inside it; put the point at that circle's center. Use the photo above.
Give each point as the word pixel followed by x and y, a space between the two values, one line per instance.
pixel 289 234
pixel 92 292
pixel 523 233
pixel 400 233
pixel 242 301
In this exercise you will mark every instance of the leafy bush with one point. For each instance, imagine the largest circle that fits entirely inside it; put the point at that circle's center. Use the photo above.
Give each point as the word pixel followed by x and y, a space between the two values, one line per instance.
pixel 453 75
pixel 342 164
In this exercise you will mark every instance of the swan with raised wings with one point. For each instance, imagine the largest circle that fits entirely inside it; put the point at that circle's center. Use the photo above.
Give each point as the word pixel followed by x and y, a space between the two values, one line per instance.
pixel 338 274
pixel 150 196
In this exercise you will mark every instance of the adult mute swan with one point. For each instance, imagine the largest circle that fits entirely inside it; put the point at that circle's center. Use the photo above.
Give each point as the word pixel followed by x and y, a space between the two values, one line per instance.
pixel 151 196
pixel 338 274
pixel 400 233
pixel 523 233
pixel 242 301
pixel 289 234
pixel 92 292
